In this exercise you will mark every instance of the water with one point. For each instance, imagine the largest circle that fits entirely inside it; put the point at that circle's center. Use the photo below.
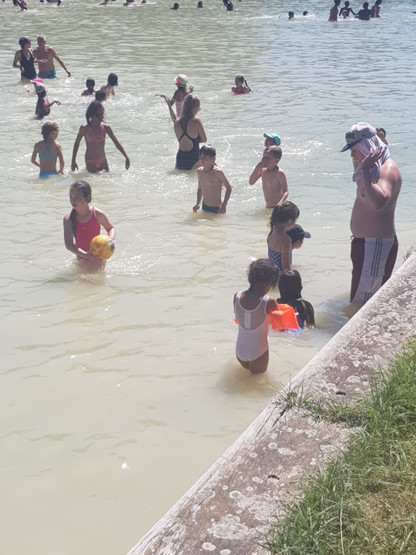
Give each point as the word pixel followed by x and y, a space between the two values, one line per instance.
pixel 119 390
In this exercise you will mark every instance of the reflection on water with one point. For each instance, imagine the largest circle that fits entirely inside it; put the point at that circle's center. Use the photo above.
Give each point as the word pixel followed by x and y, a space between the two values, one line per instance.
pixel 119 390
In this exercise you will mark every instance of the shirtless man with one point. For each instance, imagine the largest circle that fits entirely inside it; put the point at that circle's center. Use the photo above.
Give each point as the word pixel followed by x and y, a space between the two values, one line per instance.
pixel 374 245
pixel 211 180
pixel 272 177
pixel 47 53
pixel 333 13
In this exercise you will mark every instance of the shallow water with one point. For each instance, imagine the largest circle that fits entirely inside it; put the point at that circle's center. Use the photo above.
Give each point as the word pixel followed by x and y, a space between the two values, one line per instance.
pixel 119 390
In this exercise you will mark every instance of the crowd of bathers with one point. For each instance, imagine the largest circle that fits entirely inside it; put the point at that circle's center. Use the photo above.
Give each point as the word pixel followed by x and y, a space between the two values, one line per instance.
pixel 253 307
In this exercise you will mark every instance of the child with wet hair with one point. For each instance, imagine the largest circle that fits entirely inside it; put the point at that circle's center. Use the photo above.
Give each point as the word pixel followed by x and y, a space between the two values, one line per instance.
pixel 241 86
pixel 89 91
pixel 290 287
pixel 82 224
pixel 43 106
pixel 252 308
pixel 48 151
pixel 108 88
pixel 283 217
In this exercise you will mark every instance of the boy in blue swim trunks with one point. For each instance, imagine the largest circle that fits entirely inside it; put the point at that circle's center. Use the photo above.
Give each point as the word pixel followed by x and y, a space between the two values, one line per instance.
pixel 211 180
pixel 48 151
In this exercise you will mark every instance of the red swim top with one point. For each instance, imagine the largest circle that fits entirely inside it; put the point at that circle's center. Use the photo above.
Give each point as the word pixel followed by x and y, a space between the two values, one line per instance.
pixel 84 232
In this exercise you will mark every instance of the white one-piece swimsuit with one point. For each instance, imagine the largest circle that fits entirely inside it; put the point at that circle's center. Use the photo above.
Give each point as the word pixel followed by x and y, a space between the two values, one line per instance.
pixel 253 329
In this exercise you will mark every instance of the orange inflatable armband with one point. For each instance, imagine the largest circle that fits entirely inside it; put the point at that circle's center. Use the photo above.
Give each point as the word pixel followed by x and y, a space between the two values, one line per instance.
pixel 284 318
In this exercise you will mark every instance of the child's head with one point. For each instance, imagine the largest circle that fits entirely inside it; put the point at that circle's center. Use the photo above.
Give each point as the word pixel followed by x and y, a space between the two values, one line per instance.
pixel 190 106
pixel 90 83
pixel 112 80
pixel 261 273
pixel 274 152
pixel 271 139
pixel 181 81
pixel 297 234
pixel 100 96
pixel 23 41
pixel 40 90
pixel 290 285
pixel 207 151
pixel 80 190
pixel 239 80
pixel 291 15
pixel 284 213
pixel 48 128
pixel 95 109
pixel 365 5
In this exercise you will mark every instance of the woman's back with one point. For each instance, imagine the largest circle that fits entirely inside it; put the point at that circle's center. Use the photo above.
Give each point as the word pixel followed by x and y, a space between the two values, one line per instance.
pixel 189 135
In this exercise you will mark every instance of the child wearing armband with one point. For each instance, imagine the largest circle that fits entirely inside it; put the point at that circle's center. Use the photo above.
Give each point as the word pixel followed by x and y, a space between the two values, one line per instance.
pixel 252 308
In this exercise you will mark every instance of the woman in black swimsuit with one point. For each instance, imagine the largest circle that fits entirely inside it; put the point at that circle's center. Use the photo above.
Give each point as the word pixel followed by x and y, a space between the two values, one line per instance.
pixel 190 132
pixel 25 61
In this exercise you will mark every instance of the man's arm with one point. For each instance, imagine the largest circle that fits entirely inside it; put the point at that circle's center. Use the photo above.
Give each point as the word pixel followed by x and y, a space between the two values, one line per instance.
pixel 378 194
pixel 58 59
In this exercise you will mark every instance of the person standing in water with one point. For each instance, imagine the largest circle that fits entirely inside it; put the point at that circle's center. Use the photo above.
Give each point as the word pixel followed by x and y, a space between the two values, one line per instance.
pixel 82 224
pixel 47 53
pixel 252 308
pixel 374 245
pixel 189 131
pixel 273 178
pixel 48 151
pixel 333 13
pixel 25 60
pixel 180 94
pixel 94 134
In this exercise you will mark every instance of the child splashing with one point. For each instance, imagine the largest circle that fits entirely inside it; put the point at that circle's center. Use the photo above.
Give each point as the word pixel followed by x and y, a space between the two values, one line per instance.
pixel 283 217
pixel 94 134
pixel 251 308
pixel 48 151
pixel 290 287
pixel 82 224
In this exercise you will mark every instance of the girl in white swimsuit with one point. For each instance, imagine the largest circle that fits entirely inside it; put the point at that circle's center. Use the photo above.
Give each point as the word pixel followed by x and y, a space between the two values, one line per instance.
pixel 251 309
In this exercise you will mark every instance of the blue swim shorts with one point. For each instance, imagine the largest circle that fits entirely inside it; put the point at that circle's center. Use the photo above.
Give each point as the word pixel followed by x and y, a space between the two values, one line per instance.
pixel 213 209
pixel 48 75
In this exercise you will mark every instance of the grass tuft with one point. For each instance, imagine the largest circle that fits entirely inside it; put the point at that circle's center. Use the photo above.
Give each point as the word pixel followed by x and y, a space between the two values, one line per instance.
pixel 365 502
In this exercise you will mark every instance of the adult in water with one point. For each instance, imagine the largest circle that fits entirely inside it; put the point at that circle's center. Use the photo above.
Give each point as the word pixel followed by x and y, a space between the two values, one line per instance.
pixel 25 60
pixel 189 131
pixel 47 53
pixel 374 245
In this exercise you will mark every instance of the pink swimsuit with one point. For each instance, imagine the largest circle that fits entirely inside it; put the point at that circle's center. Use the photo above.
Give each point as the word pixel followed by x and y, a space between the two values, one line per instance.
pixel 84 232
pixel 96 135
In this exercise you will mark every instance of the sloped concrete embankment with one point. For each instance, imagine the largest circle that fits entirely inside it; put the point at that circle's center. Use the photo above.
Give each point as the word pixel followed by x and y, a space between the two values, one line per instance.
pixel 232 506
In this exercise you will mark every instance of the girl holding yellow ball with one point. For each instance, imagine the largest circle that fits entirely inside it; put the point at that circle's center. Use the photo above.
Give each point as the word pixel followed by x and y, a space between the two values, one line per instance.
pixel 84 223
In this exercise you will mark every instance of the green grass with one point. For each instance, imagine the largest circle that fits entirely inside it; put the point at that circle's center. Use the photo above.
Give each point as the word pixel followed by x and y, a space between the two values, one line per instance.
pixel 365 502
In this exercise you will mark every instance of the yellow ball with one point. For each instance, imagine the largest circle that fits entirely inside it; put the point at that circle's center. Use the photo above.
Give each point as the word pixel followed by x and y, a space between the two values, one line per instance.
pixel 102 246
